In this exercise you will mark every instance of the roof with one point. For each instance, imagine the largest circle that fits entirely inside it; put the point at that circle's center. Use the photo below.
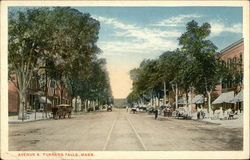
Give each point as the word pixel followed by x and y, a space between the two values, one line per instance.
pixel 227 97
pixel 239 97
pixel 182 101
pixel 232 45
pixel 198 99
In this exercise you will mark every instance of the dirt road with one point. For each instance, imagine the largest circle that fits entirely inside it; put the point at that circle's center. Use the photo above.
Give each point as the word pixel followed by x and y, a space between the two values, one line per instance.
pixel 121 131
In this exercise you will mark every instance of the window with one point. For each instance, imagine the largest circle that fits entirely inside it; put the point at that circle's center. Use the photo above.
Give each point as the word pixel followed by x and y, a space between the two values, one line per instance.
pixel 241 58
pixel 241 77
pixel 234 62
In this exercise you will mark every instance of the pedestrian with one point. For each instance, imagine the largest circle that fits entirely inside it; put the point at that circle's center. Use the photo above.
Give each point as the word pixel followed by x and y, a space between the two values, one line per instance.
pixel 156 114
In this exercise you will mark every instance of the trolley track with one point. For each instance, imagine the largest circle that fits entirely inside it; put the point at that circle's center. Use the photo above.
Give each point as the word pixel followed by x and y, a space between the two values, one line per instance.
pixel 123 135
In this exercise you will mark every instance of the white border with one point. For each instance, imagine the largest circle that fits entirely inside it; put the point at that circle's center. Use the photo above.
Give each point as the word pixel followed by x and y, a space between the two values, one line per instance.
pixel 126 155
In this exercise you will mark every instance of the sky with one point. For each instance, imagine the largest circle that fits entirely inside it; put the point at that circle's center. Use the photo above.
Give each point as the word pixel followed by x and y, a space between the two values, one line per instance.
pixel 130 34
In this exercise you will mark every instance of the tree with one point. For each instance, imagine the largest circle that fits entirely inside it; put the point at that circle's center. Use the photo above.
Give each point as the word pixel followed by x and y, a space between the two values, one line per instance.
pixel 172 66
pixel 75 48
pixel 62 39
pixel 203 54
pixel 27 43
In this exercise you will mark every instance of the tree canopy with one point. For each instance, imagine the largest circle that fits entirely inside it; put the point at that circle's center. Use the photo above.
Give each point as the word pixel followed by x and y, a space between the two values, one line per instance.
pixel 61 40
pixel 193 66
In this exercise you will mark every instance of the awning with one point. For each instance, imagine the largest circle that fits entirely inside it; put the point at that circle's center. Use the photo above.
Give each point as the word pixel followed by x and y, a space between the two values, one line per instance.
pixel 43 100
pixel 227 97
pixel 198 99
pixel 39 93
pixel 181 101
pixel 239 97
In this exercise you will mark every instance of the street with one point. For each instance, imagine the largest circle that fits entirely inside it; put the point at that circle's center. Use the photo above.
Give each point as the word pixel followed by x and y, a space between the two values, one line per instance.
pixel 122 131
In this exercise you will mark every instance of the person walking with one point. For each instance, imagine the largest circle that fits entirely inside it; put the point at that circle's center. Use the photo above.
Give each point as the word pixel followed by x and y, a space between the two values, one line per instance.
pixel 156 113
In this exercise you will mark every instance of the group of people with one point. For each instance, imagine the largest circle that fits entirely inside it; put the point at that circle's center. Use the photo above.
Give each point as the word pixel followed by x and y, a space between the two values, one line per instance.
pixel 201 113
pixel 227 114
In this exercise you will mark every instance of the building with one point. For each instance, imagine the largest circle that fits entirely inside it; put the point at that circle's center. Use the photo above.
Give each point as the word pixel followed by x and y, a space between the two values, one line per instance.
pixel 232 57
pixel 13 97
pixel 56 94
pixel 229 55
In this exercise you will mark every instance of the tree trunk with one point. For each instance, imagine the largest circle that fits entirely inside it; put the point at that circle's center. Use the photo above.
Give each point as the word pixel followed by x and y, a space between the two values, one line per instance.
pixel 61 96
pixel 158 98
pixel 21 105
pixel 209 104
pixel 23 80
pixel 165 96
pixel 190 102
pixel 82 103
pixel 186 108
pixel 72 102
pixel 155 102
pixel 176 96
pixel 93 105
pixel 76 104
pixel 86 105
pixel 151 100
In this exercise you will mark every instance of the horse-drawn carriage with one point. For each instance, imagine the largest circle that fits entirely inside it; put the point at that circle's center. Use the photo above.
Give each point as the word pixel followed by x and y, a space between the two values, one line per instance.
pixel 61 111
pixel 133 110
pixel 168 111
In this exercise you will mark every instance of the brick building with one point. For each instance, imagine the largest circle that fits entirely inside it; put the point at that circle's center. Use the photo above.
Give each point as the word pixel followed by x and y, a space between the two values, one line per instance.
pixel 231 54
pixel 55 93
pixel 13 97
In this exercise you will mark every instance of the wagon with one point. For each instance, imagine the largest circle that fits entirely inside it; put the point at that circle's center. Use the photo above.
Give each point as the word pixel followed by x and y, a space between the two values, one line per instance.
pixel 61 111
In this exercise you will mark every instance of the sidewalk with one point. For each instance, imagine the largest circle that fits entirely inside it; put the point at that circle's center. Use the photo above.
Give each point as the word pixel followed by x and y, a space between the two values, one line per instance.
pixel 38 116
pixel 234 123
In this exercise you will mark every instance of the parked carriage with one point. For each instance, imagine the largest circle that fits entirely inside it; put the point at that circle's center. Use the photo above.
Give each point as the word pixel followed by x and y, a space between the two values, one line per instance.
pixel 133 110
pixel 168 111
pixel 61 111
